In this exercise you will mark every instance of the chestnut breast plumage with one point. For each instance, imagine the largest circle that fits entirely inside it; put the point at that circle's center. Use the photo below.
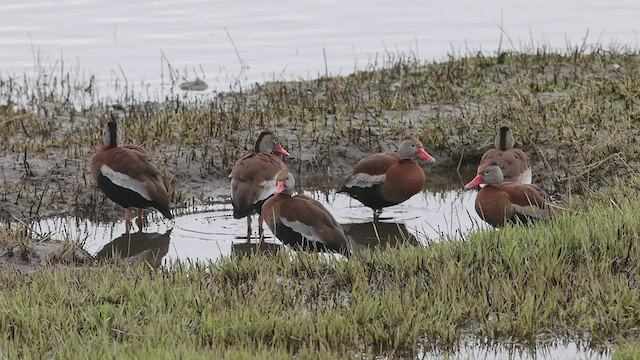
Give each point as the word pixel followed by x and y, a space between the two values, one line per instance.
pixel 387 179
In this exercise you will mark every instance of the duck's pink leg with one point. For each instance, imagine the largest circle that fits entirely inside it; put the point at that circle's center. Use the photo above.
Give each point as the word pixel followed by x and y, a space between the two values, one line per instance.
pixel 140 220
pixel 127 219
pixel 248 228
pixel 260 228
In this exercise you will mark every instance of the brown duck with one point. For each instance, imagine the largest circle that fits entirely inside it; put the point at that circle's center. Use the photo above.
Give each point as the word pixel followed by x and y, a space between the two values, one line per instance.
pixel 128 176
pixel 253 178
pixel 513 162
pixel 387 179
pixel 302 222
pixel 501 202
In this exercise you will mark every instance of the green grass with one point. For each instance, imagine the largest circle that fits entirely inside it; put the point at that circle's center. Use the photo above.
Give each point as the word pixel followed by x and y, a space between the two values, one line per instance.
pixel 575 275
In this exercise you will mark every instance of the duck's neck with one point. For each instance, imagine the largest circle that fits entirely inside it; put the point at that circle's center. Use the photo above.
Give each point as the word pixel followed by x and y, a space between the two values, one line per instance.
pixel 505 140
pixel 110 139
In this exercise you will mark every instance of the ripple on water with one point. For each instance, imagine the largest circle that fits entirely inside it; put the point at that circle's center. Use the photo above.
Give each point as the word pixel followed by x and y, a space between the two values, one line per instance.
pixel 209 232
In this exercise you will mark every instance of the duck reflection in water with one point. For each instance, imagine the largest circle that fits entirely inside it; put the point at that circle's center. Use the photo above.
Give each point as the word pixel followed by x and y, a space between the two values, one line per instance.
pixel 379 234
pixel 139 246
pixel 245 249
pixel 362 235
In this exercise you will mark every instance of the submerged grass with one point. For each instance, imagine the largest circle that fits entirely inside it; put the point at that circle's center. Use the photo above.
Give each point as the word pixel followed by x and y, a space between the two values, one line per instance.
pixel 574 277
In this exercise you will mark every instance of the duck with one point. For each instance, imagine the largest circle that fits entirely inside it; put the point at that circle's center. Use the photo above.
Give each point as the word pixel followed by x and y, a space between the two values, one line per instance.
pixel 128 176
pixel 253 178
pixel 499 203
pixel 513 161
pixel 387 179
pixel 302 222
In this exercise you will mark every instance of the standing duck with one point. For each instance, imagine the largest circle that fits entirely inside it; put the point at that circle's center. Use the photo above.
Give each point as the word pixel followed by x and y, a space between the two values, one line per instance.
pixel 513 162
pixel 253 178
pixel 128 176
pixel 387 179
pixel 500 202
pixel 300 221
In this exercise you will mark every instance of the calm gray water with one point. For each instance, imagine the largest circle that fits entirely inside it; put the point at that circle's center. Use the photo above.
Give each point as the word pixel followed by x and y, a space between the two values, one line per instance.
pixel 285 39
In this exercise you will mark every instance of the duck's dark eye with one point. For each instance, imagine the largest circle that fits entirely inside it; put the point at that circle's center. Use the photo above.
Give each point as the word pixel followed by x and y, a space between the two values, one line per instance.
pixel 275 141
pixel 487 172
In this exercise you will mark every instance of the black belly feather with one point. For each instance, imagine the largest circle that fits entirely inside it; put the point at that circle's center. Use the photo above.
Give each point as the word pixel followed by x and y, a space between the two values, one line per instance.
pixel 255 208
pixel 294 239
pixel 128 198
pixel 370 197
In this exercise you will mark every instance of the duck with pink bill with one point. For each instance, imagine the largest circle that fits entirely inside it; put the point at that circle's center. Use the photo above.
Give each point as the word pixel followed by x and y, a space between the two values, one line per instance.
pixel 388 179
pixel 253 178
pixel 500 202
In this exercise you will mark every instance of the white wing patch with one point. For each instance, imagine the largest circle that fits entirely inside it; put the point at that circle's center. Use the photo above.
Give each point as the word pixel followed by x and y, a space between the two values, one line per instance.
pixel 365 180
pixel 125 181
pixel 306 231
pixel 525 177
pixel 231 190
pixel 268 189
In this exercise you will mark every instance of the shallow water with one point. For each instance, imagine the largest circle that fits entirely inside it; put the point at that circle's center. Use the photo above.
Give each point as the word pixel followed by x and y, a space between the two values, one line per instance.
pixel 209 232
pixel 255 41
pixel 504 350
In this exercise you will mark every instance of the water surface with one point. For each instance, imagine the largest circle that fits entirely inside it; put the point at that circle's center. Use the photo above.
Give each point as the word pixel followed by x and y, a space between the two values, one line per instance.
pixel 207 232
pixel 255 41
pixel 560 349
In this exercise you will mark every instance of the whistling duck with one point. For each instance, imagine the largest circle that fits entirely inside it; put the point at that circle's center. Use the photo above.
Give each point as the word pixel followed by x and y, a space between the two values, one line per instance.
pixel 513 162
pixel 128 176
pixel 387 179
pixel 500 202
pixel 253 178
pixel 300 221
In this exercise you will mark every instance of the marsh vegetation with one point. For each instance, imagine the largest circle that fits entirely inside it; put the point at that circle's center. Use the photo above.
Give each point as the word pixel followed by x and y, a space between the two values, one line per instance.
pixel 574 277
